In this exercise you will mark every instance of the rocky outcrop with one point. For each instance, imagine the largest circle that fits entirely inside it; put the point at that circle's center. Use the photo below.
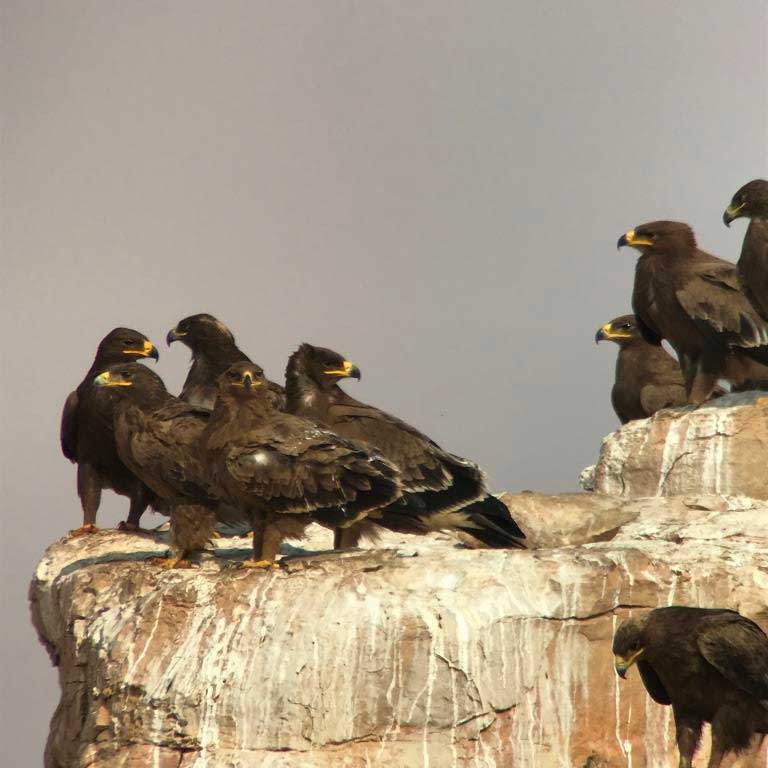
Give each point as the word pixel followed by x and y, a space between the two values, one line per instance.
pixel 719 448
pixel 419 653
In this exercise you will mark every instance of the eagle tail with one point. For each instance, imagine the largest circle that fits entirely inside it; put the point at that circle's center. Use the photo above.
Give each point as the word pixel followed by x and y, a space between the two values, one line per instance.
pixel 489 521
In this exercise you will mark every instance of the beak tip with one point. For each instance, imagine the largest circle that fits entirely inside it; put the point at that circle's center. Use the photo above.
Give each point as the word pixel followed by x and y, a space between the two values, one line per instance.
pixel 170 338
pixel 727 220
pixel 154 354
pixel 621 242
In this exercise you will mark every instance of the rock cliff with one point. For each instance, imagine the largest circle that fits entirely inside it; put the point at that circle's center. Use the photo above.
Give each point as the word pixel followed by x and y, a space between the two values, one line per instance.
pixel 416 653
pixel 721 447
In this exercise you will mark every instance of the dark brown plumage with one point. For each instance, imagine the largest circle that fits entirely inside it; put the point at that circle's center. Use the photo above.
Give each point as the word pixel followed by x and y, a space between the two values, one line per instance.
pixel 157 437
pixel 694 300
pixel 213 351
pixel 751 202
pixel 88 438
pixel 284 470
pixel 647 378
pixel 441 491
pixel 711 665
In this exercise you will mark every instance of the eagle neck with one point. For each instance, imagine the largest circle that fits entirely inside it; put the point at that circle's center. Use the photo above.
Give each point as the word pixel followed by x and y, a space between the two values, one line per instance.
pixel 304 396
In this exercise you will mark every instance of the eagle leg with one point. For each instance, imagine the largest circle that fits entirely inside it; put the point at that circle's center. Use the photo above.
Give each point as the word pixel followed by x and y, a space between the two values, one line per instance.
pixel 346 538
pixel 83 530
pixel 135 511
pixel 688 735
pixel 258 527
pixel 89 491
pixel 703 388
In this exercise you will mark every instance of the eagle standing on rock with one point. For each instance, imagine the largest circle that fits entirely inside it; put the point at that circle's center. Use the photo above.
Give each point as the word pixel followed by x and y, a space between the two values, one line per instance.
pixel 647 378
pixel 88 437
pixel 694 300
pixel 157 437
pixel 283 470
pixel 213 351
pixel 438 486
pixel 751 202
pixel 711 665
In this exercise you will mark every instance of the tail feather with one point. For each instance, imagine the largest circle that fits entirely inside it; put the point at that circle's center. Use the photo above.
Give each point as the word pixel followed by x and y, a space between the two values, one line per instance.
pixel 490 522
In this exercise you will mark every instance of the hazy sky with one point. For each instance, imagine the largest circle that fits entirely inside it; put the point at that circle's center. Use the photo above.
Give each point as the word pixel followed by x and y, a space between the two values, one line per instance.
pixel 434 189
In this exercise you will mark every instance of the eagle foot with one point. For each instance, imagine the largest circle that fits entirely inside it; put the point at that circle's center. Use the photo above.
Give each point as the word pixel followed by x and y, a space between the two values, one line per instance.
pixel 260 564
pixel 171 563
pixel 127 527
pixel 84 530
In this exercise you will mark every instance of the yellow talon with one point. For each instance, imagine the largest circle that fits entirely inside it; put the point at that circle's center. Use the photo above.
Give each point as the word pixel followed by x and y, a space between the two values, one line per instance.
pixel 84 529
pixel 263 564
pixel 171 563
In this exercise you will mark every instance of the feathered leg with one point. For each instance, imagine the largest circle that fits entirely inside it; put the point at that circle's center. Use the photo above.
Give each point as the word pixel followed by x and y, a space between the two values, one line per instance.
pixel 688 735
pixel 89 491
pixel 261 558
pixel 138 506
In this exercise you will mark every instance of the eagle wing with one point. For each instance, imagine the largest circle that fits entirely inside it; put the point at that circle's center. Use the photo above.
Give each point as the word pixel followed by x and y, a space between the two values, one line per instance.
pixel 421 461
pixel 738 649
pixel 304 470
pixel 161 448
pixel 652 683
pixel 69 425
pixel 711 296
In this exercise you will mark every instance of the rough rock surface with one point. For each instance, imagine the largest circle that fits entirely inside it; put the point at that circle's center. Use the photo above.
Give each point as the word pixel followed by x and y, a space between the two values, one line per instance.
pixel 719 448
pixel 419 653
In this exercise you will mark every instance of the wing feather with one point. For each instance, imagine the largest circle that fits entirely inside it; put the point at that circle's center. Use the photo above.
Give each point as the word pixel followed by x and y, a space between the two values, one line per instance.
pixel 738 649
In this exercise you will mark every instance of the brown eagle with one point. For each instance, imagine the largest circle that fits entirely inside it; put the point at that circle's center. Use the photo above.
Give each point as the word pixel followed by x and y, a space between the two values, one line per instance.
pixel 157 437
pixel 285 471
pixel 711 665
pixel 647 378
pixel 751 202
pixel 694 300
pixel 440 490
pixel 213 351
pixel 88 437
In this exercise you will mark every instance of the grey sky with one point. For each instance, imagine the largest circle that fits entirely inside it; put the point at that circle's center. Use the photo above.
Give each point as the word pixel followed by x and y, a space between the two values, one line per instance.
pixel 434 189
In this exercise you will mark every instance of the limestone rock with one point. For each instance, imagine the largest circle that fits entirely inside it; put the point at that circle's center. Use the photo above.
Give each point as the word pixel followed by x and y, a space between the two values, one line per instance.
pixel 420 653
pixel 719 448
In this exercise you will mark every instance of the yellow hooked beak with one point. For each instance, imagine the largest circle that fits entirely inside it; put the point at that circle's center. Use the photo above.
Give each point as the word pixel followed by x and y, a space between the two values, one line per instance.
pixel 147 350
pixel 348 370
pixel 732 212
pixel 606 333
pixel 249 382
pixel 632 240
pixel 622 664
pixel 106 380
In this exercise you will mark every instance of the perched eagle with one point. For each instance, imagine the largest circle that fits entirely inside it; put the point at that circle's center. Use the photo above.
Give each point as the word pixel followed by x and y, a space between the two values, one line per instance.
pixel 213 351
pixel 440 490
pixel 88 438
pixel 751 202
pixel 647 378
pixel 711 665
pixel 284 470
pixel 694 300
pixel 157 437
